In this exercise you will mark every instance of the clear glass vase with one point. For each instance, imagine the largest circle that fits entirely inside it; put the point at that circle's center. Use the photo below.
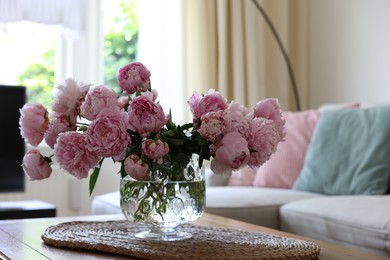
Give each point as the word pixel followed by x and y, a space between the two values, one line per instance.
pixel 164 204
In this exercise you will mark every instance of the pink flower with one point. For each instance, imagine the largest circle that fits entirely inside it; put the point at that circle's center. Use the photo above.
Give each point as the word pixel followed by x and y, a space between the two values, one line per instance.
pixel 155 150
pixel 98 98
pixel 68 98
pixel 107 134
pixel 135 168
pixel 33 123
pixel 193 103
pixel 123 102
pixel 211 102
pixel 270 109
pixel 58 125
pixel 235 122
pixel 264 140
pixel 35 166
pixel 213 125
pixel 72 154
pixel 238 108
pixel 232 152
pixel 133 77
pixel 155 94
pixel 146 116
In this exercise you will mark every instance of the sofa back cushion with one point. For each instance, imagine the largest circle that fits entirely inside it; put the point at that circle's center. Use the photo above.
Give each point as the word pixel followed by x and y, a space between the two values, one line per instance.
pixel 349 153
pixel 285 165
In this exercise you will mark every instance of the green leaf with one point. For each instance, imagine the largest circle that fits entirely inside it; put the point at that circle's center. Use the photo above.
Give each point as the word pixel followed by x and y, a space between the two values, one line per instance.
pixel 47 159
pixel 175 141
pixel 187 126
pixel 171 126
pixel 94 176
pixel 82 128
pixel 170 133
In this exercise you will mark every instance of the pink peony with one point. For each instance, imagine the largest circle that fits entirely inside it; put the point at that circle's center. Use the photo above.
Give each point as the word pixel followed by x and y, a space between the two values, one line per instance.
pixel 58 125
pixel 238 108
pixel 232 152
pixel 270 109
pixel 155 94
pixel 135 168
pixel 107 134
pixel 193 103
pixel 220 168
pixel 235 122
pixel 155 150
pixel 133 77
pixel 68 98
pixel 98 98
pixel 35 166
pixel 213 125
pixel 33 123
pixel 123 102
pixel 72 154
pixel 211 102
pixel 264 140
pixel 146 116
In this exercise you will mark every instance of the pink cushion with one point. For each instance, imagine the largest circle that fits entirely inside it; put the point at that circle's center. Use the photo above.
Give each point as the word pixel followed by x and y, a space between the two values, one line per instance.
pixel 285 165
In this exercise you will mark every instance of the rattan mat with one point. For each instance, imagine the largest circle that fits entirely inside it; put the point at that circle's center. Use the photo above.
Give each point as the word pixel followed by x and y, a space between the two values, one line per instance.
pixel 207 242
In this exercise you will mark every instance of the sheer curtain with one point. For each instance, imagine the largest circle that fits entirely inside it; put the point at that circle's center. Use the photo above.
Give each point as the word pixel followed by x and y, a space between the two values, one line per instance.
pixel 161 49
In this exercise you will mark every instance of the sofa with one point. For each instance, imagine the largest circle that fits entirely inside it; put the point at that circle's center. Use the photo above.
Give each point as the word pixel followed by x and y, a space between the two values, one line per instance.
pixel 328 180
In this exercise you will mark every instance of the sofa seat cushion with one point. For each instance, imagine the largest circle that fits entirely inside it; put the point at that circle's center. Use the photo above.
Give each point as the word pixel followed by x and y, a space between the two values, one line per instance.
pixel 356 221
pixel 251 204
pixel 108 203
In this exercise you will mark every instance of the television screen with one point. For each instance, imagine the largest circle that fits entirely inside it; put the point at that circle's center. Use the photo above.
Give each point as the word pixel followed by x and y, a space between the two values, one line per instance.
pixel 12 146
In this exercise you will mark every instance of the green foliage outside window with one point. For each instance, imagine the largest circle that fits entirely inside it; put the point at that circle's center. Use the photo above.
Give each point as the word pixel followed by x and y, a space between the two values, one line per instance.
pixel 38 78
pixel 121 42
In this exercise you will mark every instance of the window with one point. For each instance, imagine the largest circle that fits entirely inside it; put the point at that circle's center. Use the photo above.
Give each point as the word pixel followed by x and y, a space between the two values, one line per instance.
pixel 40 61
pixel 28 60
pixel 120 30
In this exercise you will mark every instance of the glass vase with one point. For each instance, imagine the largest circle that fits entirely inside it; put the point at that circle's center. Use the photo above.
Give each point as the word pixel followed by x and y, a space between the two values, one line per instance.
pixel 165 204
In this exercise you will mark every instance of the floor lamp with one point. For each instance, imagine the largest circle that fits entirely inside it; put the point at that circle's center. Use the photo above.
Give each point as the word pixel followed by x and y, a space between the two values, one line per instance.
pixel 284 53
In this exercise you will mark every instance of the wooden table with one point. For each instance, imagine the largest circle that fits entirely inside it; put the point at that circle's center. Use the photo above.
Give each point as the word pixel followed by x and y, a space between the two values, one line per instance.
pixel 21 239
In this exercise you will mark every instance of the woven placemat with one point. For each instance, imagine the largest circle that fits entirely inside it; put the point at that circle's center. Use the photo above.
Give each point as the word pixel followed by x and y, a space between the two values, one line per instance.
pixel 207 242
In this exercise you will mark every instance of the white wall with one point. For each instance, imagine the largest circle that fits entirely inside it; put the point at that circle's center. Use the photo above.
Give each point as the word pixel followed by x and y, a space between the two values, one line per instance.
pixel 349 55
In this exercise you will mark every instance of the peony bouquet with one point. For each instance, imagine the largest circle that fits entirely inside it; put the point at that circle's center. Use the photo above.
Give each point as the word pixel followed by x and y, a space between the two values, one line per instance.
pixel 89 123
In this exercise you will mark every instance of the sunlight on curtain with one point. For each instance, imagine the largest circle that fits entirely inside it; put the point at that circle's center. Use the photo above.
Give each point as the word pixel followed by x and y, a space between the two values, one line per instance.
pixel 226 45
pixel 230 47
pixel 161 50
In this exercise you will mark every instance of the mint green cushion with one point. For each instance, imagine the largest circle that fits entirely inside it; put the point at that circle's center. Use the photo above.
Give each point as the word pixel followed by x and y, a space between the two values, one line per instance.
pixel 349 153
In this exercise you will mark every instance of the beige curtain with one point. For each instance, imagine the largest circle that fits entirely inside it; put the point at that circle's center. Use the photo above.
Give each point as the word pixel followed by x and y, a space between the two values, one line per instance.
pixel 229 47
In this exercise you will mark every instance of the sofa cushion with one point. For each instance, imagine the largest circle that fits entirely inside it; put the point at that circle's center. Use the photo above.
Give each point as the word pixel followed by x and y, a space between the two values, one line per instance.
pixel 285 165
pixel 251 204
pixel 360 221
pixel 349 153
